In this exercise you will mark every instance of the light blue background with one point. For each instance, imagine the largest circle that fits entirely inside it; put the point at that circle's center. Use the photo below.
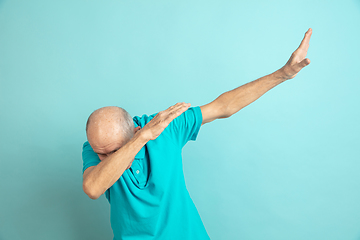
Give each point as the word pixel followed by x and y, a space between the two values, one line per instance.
pixel 285 167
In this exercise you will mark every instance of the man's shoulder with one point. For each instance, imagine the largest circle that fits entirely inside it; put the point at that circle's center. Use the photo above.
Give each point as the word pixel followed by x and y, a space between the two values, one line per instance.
pixel 144 119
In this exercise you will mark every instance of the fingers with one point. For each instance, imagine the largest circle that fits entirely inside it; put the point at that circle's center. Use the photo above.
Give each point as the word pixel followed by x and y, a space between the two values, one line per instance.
pixel 154 128
pixel 178 109
pixel 305 42
pixel 173 106
pixel 175 111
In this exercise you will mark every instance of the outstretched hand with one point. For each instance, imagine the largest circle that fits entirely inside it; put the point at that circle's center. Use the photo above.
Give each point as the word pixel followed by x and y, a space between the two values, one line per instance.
pixel 158 124
pixel 297 60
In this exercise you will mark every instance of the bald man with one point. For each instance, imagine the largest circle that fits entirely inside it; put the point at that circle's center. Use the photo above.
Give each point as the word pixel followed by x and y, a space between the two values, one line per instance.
pixel 137 161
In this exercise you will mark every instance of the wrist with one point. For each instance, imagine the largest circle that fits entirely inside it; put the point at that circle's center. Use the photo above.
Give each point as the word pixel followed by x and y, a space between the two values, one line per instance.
pixel 281 75
pixel 141 136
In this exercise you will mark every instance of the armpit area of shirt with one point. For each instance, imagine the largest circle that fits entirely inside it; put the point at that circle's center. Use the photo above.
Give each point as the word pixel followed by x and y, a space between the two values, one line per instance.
pixel 139 172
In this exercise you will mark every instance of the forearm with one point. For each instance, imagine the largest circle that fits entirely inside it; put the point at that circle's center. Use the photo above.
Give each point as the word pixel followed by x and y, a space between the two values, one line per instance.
pixel 238 98
pixel 232 101
pixel 109 170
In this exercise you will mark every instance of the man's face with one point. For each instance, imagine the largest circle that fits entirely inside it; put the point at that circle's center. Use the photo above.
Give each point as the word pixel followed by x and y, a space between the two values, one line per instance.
pixel 105 144
pixel 104 132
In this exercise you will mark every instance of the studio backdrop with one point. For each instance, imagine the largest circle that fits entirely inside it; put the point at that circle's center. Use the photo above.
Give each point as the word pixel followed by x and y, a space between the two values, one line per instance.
pixel 285 167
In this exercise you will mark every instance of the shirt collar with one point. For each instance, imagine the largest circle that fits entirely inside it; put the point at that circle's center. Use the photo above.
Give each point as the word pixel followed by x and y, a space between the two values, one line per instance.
pixel 141 153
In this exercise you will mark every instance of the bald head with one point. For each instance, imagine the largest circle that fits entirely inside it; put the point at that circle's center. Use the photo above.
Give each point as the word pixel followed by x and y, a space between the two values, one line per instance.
pixel 108 128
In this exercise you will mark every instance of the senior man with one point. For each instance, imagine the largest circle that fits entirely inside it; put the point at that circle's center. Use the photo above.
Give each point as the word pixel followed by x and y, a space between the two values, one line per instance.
pixel 137 161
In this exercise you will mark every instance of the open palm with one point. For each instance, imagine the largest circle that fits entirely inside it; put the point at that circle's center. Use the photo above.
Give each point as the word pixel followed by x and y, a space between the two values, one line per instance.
pixel 297 60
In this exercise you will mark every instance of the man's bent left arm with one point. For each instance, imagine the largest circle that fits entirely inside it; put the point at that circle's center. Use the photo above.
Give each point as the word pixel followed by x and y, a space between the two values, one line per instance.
pixel 232 101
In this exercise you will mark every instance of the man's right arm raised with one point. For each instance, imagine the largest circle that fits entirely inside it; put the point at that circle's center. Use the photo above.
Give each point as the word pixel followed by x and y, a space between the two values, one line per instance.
pixel 97 179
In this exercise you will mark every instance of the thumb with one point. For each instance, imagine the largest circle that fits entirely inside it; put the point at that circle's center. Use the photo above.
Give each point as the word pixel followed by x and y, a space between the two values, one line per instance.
pixel 304 63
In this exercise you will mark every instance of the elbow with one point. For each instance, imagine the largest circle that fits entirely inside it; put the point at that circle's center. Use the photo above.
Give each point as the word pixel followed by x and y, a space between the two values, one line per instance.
pixel 230 110
pixel 225 112
pixel 90 191
pixel 226 115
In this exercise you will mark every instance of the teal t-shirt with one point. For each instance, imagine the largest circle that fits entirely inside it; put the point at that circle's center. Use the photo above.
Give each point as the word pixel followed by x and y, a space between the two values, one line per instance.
pixel 150 200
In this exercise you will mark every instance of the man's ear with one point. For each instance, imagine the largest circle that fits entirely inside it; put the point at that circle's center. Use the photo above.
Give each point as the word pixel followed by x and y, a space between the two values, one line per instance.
pixel 137 129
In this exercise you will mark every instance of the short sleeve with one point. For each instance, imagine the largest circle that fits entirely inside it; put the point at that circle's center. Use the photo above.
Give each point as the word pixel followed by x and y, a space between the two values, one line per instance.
pixel 90 158
pixel 186 126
